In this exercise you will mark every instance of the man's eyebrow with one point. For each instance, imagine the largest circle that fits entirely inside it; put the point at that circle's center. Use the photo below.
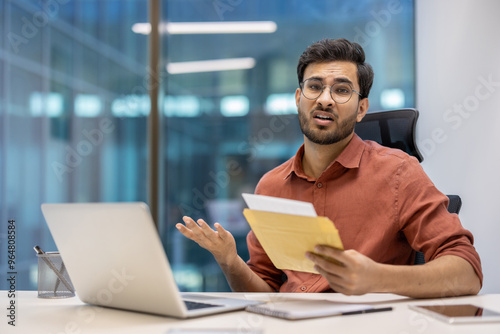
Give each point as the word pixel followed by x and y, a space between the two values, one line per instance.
pixel 315 78
pixel 336 80
pixel 343 80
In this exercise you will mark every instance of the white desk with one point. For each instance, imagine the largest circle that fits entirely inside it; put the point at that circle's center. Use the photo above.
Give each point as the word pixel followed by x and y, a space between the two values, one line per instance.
pixel 71 316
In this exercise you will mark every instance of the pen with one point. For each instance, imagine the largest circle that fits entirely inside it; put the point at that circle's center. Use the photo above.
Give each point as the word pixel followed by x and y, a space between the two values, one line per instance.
pixel 371 310
pixel 61 270
pixel 60 277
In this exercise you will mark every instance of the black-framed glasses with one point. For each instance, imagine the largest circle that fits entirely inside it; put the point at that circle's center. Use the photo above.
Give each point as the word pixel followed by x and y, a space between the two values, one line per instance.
pixel 340 92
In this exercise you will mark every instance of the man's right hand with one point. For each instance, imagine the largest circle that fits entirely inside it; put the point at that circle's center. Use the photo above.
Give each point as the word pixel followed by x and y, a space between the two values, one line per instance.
pixel 222 245
pixel 219 242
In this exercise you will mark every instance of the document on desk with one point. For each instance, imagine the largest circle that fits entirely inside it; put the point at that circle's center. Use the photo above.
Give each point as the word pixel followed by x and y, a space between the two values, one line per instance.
pixel 287 229
pixel 307 309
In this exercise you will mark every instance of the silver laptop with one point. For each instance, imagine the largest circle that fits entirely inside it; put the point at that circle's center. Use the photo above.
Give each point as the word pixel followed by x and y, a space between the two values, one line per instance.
pixel 115 258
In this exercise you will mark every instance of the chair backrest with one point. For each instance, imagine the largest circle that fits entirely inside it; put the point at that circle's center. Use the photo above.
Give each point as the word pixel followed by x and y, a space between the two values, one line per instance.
pixel 455 204
pixel 393 128
pixel 396 129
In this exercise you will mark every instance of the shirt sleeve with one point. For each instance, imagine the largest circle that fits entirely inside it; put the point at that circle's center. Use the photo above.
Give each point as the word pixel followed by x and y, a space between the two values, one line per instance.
pixel 426 222
pixel 260 263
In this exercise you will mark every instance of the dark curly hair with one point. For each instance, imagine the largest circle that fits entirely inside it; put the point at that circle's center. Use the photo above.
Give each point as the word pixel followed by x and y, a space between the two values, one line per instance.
pixel 341 49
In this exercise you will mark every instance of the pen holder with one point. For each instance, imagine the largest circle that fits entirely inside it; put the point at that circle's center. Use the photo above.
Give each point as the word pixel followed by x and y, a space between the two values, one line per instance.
pixel 53 278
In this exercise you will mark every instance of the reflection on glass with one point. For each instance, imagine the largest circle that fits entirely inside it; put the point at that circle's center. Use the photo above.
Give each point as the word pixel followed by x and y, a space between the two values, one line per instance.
pixel 63 64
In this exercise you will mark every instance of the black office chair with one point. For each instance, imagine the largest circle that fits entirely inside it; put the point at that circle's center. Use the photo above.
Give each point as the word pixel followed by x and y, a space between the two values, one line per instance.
pixel 396 129
pixel 393 128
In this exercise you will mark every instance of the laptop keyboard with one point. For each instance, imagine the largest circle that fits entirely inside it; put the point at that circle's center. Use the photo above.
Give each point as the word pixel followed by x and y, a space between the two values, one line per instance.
pixel 195 305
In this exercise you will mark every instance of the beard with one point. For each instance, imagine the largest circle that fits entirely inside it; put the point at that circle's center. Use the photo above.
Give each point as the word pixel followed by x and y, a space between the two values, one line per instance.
pixel 320 135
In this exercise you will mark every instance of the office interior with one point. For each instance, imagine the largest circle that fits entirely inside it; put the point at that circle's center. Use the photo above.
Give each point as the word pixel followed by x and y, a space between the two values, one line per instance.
pixel 78 94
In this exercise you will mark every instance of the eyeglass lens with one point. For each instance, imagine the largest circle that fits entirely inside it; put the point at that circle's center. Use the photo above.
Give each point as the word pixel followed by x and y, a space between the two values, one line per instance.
pixel 340 92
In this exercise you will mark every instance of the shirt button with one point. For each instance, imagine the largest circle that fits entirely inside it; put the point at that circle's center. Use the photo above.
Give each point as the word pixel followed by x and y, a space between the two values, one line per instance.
pixel 303 288
pixel 319 185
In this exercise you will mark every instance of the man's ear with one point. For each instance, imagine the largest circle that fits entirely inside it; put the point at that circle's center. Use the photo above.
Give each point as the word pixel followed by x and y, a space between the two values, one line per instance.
pixel 297 96
pixel 364 104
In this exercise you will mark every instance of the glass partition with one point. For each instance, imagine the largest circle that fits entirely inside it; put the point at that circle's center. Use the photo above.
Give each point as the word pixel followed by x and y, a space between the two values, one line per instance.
pixel 74 106
pixel 73 116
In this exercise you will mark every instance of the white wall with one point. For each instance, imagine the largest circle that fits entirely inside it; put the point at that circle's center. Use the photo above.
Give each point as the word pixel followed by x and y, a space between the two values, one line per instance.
pixel 458 96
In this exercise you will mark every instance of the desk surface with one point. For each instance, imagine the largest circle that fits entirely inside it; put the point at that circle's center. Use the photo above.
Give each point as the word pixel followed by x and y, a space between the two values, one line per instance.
pixel 71 316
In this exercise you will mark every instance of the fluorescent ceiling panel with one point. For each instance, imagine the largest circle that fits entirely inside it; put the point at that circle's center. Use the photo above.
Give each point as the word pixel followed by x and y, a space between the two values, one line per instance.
pixel 211 65
pixel 180 28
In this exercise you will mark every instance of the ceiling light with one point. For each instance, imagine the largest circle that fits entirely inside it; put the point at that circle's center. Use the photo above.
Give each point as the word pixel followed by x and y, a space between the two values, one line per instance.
pixel 178 28
pixel 211 65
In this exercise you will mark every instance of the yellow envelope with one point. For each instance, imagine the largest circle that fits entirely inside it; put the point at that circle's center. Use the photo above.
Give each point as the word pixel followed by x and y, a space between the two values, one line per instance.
pixel 286 238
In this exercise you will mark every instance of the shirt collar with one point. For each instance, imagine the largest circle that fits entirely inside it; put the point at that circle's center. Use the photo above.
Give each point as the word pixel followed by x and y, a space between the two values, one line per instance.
pixel 349 158
pixel 351 155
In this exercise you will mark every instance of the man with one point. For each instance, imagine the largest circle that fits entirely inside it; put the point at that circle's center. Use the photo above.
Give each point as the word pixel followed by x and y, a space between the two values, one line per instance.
pixel 381 201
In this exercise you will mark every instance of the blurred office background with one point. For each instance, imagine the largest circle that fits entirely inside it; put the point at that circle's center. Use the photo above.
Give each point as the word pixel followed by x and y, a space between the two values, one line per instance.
pixel 75 101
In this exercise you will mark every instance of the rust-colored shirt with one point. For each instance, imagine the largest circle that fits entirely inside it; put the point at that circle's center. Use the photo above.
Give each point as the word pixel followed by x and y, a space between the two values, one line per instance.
pixel 382 203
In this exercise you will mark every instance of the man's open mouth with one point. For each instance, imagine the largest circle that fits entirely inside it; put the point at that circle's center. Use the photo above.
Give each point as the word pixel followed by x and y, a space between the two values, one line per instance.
pixel 324 117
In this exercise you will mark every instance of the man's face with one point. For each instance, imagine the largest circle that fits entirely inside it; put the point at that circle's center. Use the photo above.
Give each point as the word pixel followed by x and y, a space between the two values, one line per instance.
pixel 323 121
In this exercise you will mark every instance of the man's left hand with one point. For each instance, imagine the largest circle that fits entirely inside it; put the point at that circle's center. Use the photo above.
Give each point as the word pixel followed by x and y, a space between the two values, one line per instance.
pixel 348 272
